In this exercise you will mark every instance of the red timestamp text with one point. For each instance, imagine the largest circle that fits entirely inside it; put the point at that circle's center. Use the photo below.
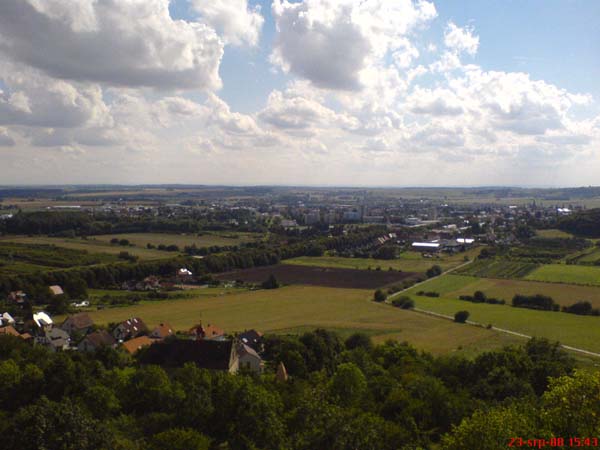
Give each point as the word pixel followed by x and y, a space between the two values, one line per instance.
pixel 557 442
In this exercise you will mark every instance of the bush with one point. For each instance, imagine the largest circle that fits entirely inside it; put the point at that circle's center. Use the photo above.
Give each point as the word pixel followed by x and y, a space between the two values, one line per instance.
pixel 379 296
pixel 270 283
pixel 403 302
pixel 461 316
pixel 479 297
pixel 428 294
pixel 537 301
pixel 124 242
pixel 433 271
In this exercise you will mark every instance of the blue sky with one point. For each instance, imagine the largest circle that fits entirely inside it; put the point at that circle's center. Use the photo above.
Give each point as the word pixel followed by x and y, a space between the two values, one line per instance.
pixel 541 37
pixel 319 92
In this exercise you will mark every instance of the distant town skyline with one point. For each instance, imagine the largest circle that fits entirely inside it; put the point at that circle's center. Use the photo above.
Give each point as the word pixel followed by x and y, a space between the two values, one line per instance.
pixel 374 93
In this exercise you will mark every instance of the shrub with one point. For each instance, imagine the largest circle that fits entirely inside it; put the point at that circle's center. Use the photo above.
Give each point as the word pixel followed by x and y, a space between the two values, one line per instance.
pixel 124 242
pixel 461 316
pixel 479 297
pixel 403 302
pixel 270 283
pixel 379 296
pixel 433 271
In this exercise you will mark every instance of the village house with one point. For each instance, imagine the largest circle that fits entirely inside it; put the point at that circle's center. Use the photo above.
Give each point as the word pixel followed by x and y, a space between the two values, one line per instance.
pixel 6 319
pixel 56 290
pixel 150 283
pixel 248 358
pixel 162 331
pixel 17 297
pixel 41 322
pixel 78 323
pixel 206 354
pixel 252 338
pixel 206 332
pixel 133 345
pixel 96 340
pixel 55 339
pixel 129 329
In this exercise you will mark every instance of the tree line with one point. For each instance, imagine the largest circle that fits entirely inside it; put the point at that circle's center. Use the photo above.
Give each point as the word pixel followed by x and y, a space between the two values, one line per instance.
pixel 341 394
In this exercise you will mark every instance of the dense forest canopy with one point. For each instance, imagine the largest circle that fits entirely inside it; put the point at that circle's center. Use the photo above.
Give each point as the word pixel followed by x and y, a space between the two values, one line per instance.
pixel 582 223
pixel 341 395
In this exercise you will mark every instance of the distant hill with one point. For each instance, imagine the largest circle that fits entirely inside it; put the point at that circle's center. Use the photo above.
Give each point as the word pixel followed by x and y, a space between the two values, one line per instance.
pixel 584 223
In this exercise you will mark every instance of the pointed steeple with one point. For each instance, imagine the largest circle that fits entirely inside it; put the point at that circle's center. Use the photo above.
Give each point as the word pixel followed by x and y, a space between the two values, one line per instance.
pixel 282 375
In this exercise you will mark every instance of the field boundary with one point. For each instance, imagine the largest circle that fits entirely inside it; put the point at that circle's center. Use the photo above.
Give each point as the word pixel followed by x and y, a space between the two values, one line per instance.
pixel 477 324
pixel 503 330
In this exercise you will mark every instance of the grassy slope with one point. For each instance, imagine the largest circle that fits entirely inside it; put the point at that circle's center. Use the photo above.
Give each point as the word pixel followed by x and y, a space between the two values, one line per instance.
pixel 562 273
pixel 453 286
pixel 92 246
pixel 569 329
pixel 300 307
pixel 408 262
pixel 181 240
pixel 553 233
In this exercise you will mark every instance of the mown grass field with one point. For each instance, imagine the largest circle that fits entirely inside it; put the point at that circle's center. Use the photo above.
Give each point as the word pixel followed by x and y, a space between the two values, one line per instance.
pixel 497 268
pixel 453 286
pixel 292 308
pixel 182 240
pixel 91 245
pixel 101 243
pixel 570 274
pixel 590 257
pixel 553 233
pixel 577 331
pixel 407 262
pixel 17 258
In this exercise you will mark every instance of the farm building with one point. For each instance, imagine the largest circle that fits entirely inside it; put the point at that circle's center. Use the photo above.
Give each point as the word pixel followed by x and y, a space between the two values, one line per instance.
pixel 432 247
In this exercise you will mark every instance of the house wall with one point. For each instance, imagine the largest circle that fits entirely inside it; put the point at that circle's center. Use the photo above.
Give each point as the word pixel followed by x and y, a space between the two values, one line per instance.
pixel 251 362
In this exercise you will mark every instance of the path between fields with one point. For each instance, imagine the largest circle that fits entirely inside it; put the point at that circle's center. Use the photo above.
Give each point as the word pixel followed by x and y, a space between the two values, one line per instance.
pixel 477 324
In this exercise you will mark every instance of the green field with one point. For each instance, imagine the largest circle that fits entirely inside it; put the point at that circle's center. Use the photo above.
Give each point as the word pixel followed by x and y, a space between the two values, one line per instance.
pixel 407 262
pixel 553 233
pixel 577 331
pixel 453 286
pixel 90 245
pixel 101 243
pixel 497 268
pixel 181 240
pixel 590 257
pixel 293 308
pixel 18 258
pixel 570 274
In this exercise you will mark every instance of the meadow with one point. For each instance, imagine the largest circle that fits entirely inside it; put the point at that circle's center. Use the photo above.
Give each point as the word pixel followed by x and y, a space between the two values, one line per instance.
pixel 569 329
pixel 553 233
pixel 406 262
pixel 453 286
pixel 101 243
pixel 498 268
pixel 570 274
pixel 294 308
pixel 17 258
pixel 207 239
pixel 91 245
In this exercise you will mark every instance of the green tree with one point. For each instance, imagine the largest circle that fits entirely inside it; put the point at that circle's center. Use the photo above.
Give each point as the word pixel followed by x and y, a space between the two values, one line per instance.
pixel 379 296
pixel 179 439
pixel 270 283
pixel 461 316
pixel 348 385
pixel 492 429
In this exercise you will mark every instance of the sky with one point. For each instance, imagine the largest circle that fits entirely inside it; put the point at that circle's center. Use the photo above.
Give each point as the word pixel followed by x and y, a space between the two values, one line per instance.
pixel 305 92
